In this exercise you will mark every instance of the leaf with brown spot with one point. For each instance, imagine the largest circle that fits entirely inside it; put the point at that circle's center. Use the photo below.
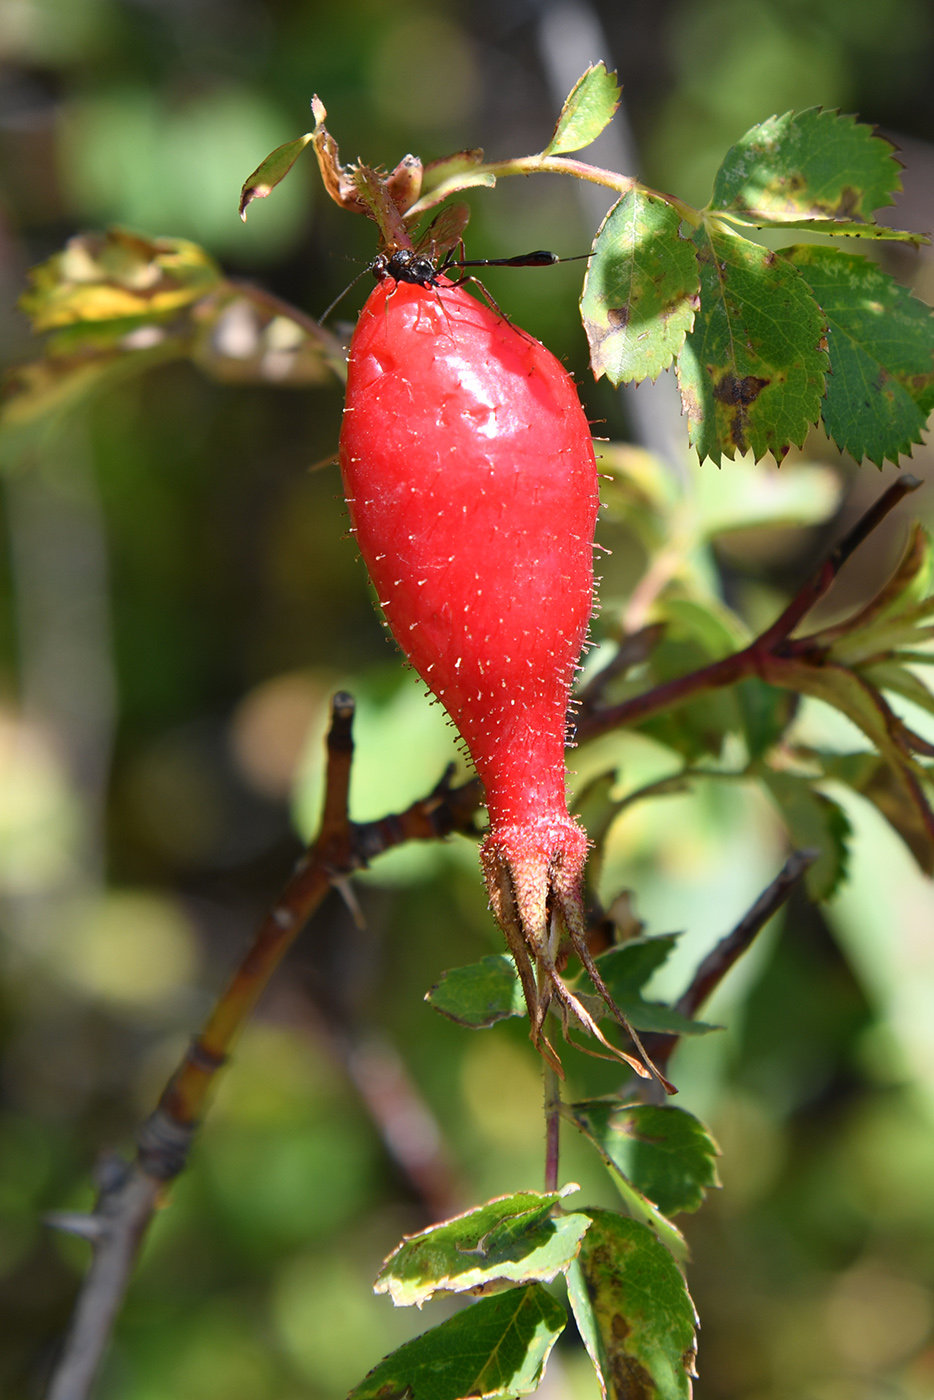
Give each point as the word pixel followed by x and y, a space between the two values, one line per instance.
pixel 633 1311
pixel 641 290
pixel 807 165
pixel 751 371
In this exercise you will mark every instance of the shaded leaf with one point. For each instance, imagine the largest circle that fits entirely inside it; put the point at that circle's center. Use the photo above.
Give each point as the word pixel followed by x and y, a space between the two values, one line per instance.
pixel 633 1312
pixel 816 822
pixel 625 969
pixel 498 1346
pixel 881 341
pixel 751 372
pixel 641 290
pixel 759 495
pixel 588 108
pixel 38 393
pixel 520 1239
pixel 808 165
pixel 243 335
pixel 271 170
pixel 766 713
pixel 480 994
pixel 117 276
pixel 897 795
pixel 665 1152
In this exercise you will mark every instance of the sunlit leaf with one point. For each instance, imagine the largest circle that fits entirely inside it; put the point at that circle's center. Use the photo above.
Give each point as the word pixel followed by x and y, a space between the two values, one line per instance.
pixel 498 1346
pixel 808 165
pixel 519 1239
pixel 633 1311
pixel 832 228
pixel 480 994
pixel 641 290
pixel 117 275
pixel 626 968
pixel 271 170
pixel 438 172
pixel 588 108
pixel 665 1152
pixel 751 372
pixel 880 391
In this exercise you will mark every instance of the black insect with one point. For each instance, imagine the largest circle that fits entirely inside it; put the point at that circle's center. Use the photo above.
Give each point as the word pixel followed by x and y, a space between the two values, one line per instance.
pixel 433 258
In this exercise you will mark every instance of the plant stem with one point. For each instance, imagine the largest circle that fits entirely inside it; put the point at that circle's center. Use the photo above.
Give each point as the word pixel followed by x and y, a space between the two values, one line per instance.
pixel 552 1126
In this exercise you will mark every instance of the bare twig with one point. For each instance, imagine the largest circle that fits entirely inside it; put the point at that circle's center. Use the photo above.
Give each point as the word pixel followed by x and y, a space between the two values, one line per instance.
pixel 129 1193
pixel 552 1126
pixel 713 968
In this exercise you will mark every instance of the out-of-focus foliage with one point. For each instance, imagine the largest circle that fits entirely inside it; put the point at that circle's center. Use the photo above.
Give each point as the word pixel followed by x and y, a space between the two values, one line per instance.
pixel 170 560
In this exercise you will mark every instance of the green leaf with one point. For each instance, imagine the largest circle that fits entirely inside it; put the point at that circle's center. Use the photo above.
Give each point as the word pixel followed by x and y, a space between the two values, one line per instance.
pixel 638 1207
pixel 897 795
pixel 438 172
pixel 633 1311
pixel 520 1239
pixel 270 171
pixel 641 289
pixel 498 1346
pixel 588 108
pixel 665 1152
pixel 625 969
pixel 480 994
pixel 758 495
pixel 881 341
pixel 832 228
pixel 766 712
pixel 117 276
pixel 644 1015
pixel 808 165
pixel 751 372
pixel 813 821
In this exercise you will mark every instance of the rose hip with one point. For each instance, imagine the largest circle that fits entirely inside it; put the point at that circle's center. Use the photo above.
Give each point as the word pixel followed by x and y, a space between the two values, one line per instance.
pixel 470 476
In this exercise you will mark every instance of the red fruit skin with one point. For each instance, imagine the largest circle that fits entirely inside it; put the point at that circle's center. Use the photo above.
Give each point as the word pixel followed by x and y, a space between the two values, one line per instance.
pixel 470 476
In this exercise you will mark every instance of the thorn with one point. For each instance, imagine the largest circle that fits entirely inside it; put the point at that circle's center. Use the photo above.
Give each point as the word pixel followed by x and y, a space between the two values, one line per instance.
pixel 346 891
pixel 73 1222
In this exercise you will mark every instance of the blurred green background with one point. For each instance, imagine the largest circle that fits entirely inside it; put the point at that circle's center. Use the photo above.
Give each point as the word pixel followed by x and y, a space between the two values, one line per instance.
pixel 177 601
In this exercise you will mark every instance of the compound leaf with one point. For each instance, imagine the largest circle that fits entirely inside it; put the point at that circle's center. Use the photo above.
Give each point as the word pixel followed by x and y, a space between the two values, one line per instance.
pixel 520 1239
pixel 641 290
pixel 633 1311
pixel 751 372
pixel 588 108
pixel 498 1346
pixel 665 1152
pixel 808 165
pixel 880 390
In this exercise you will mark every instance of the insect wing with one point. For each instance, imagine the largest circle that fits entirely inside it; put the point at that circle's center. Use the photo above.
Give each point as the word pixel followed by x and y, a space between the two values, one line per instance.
pixel 443 233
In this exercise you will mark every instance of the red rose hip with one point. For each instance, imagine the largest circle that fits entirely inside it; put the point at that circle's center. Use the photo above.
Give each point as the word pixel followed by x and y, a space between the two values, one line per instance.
pixel 470 476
